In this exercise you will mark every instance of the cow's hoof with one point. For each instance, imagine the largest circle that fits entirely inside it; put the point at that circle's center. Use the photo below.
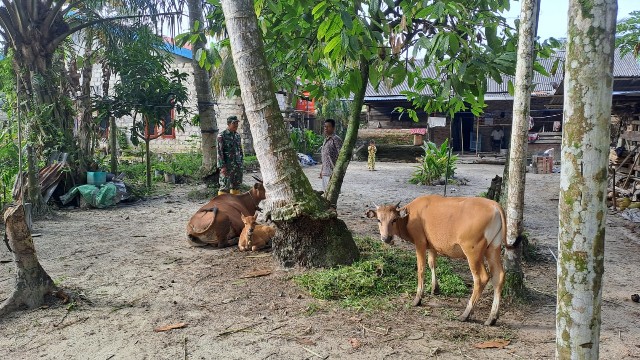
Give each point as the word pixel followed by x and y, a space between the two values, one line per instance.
pixel 463 317
pixel 436 290
pixel 490 322
pixel 417 301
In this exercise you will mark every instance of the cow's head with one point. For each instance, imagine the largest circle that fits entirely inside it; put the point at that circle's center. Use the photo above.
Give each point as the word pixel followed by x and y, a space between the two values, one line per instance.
pixel 258 192
pixel 387 216
pixel 249 223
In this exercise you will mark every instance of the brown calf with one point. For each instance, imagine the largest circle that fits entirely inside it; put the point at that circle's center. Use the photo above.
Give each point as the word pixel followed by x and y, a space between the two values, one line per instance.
pixel 219 220
pixel 455 227
pixel 254 236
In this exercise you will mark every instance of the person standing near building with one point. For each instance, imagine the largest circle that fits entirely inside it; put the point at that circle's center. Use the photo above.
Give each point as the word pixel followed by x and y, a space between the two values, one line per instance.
pixel 230 158
pixel 330 150
pixel 496 139
pixel 371 161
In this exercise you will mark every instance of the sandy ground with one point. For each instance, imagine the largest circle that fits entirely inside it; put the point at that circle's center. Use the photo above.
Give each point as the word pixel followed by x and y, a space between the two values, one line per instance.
pixel 133 271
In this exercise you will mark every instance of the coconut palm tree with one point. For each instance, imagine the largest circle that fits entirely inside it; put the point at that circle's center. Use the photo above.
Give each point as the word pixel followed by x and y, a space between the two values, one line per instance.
pixel 309 233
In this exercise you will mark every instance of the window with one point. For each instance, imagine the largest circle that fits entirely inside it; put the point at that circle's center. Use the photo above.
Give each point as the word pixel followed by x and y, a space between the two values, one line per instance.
pixel 166 127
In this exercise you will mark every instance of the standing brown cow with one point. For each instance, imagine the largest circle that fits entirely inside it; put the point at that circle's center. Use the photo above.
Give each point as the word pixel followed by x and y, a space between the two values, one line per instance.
pixel 220 219
pixel 457 227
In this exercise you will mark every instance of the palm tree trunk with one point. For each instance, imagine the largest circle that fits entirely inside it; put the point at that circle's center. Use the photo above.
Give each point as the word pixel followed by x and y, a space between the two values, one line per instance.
pixel 32 281
pixel 308 233
pixel 514 276
pixel 340 169
pixel 583 181
pixel 201 80
pixel 85 130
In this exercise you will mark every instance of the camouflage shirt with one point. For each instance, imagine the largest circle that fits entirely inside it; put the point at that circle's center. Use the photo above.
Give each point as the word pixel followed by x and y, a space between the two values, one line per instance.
pixel 229 149
pixel 330 150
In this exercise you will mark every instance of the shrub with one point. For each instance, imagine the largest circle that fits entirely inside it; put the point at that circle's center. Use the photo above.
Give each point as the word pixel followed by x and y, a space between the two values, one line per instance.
pixel 8 164
pixel 434 165
pixel 306 142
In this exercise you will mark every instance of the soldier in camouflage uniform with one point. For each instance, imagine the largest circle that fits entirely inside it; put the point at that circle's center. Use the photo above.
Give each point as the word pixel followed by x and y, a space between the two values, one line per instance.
pixel 230 157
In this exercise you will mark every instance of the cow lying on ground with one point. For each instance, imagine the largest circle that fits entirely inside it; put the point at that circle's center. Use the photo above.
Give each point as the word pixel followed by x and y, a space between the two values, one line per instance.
pixel 219 220
pixel 254 236
pixel 456 227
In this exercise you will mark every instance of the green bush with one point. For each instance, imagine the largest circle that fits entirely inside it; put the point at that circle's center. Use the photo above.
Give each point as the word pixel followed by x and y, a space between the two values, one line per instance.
pixel 382 272
pixel 306 142
pixel 434 164
pixel 8 164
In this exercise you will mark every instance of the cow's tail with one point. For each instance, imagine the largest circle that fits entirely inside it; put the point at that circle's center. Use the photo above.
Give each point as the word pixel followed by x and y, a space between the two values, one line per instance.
pixel 503 231
pixel 192 238
pixel 503 227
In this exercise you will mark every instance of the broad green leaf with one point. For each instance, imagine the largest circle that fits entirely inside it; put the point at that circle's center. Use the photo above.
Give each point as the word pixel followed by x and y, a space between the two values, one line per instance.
pixel 510 88
pixel 454 43
pixel 554 66
pixel 318 10
pixel 332 44
pixel 346 20
pixel 540 69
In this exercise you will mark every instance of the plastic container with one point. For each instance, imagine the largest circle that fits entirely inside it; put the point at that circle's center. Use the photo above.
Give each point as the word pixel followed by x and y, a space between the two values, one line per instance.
pixel 96 178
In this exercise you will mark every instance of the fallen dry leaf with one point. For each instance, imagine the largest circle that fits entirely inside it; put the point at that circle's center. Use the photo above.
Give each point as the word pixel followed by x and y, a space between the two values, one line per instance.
pixel 170 327
pixel 355 343
pixel 305 341
pixel 493 344
pixel 256 273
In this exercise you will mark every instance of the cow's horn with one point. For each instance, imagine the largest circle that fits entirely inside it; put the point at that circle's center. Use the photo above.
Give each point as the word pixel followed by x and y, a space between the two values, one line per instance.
pixel 398 205
pixel 257 179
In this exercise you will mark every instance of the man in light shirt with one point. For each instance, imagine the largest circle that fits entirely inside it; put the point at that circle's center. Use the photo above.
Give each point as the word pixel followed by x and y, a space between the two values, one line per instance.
pixel 496 139
pixel 330 150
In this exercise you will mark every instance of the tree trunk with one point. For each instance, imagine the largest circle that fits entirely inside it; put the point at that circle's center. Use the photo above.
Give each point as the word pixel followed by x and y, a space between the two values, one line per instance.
pixel 113 144
pixel 514 276
pixel 291 202
pixel 340 169
pixel 113 128
pixel 583 179
pixel 34 194
pixel 147 155
pixel 86 128
pixel 202 83
pixel 32 281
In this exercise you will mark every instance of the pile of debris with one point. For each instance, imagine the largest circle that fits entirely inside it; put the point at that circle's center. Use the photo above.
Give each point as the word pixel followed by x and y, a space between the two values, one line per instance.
pixel 624 173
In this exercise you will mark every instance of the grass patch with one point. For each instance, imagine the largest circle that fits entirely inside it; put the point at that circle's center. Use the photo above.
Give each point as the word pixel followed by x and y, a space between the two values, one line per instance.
pixel 381 274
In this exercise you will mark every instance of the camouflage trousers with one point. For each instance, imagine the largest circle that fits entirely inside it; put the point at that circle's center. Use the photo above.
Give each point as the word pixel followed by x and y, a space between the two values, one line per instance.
pixel 232 180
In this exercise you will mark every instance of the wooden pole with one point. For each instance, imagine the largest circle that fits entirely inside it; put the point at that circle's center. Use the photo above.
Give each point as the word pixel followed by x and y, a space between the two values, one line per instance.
pixel 461 139
pixel 477 135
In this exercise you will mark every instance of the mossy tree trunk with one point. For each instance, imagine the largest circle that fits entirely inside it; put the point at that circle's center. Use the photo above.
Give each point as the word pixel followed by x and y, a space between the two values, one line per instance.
pixel 346 153
pixel 202 83
pixel 514 276
pixel 32 281
pixel 583 180
pixel 309 234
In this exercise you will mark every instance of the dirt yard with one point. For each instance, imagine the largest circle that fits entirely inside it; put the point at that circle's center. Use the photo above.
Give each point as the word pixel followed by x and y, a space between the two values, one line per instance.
pixel 132 272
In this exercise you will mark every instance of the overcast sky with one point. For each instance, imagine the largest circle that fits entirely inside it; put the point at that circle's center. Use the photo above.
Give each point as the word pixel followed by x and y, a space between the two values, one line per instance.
pixel 553 15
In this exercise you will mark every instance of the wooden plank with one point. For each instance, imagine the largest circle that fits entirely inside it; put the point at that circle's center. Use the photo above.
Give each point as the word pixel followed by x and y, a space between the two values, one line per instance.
pixel 631 135
pixel 542 141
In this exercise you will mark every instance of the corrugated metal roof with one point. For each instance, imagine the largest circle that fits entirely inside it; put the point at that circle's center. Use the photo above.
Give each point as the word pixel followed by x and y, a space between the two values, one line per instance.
pixel 626 66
